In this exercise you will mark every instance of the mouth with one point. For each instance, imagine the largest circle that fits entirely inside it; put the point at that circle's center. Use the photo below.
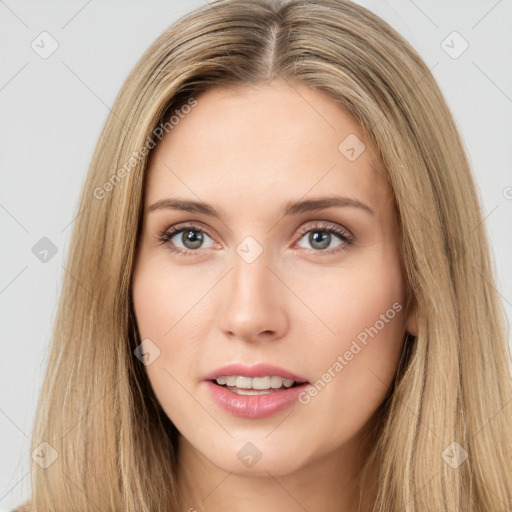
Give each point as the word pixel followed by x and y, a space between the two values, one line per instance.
pixel 243 385
pixel 256 391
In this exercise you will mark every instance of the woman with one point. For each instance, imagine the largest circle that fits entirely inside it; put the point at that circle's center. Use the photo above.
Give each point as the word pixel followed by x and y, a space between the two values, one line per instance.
pixel 280 293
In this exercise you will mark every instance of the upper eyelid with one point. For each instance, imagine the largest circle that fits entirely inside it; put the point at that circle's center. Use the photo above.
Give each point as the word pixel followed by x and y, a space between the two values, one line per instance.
pixel 324 225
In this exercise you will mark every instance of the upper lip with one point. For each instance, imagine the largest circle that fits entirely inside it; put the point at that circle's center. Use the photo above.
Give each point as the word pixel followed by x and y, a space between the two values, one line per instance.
pixel 257 370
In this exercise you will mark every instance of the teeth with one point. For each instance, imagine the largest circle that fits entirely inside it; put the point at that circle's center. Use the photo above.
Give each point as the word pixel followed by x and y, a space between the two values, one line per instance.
pixel 267 382
pixel 242 382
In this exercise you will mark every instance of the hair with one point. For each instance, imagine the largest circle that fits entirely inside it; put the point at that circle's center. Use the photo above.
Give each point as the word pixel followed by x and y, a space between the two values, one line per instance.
pixel 117 449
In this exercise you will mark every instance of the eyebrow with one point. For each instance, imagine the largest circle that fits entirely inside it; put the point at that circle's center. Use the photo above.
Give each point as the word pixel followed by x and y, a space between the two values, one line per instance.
pixel 291 208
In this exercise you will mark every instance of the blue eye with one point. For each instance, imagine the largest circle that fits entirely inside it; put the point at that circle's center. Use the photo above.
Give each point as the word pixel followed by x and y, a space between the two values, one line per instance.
pixel 320 237
pixel 192 237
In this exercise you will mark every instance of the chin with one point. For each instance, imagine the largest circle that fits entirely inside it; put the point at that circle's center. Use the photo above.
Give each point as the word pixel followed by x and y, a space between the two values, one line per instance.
pixel 244 459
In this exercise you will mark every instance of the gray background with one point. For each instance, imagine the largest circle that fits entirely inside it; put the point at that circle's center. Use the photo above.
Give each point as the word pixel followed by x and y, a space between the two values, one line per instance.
pixel 52 111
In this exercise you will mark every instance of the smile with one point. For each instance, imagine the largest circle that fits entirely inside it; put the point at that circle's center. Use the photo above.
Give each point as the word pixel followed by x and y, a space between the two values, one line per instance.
pixel 254 403
pixel 254 385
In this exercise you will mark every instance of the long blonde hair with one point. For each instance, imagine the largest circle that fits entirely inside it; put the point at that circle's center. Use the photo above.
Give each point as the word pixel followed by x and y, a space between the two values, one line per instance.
pixel 115 448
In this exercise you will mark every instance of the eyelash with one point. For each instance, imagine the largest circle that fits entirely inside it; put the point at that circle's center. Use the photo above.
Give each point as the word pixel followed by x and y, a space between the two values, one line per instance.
pixel 165 237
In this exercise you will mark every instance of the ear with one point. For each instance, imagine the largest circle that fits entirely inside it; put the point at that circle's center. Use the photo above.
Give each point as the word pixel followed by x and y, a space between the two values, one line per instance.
pixel 412 323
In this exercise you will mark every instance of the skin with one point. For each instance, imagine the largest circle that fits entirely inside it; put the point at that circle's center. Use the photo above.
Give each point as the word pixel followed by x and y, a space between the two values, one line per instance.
pixel 247 152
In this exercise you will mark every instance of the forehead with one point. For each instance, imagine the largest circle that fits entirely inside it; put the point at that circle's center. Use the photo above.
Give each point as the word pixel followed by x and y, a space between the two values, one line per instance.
pixel 262 144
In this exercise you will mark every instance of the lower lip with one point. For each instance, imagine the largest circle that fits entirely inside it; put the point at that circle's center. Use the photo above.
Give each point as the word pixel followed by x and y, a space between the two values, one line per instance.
pixel 255 406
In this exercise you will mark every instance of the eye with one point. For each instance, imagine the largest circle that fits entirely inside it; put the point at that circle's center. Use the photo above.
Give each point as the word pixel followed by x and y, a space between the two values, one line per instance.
pixel 321 236
pixel 185 239
pixel 191 237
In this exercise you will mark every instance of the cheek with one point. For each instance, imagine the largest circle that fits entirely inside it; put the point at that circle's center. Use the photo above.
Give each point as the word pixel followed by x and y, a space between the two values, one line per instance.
pixel 348 301
pixel 165 318
pixel 356 364
pixel 166 300
pixel 354 383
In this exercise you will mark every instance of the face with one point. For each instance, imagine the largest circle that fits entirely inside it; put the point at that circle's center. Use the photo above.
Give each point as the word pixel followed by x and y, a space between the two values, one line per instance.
pixel 260 277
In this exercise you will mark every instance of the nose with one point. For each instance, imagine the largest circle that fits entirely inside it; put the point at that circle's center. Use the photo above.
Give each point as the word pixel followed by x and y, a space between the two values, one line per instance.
pixel 253 304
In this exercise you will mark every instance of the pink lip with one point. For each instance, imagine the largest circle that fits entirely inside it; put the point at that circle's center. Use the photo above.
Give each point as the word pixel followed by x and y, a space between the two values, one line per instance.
pixel 257 370
pixel 254 406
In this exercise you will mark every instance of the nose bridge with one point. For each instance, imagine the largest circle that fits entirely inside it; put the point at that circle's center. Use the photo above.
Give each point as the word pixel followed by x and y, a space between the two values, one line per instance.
pixel 251 278
pixel 253 303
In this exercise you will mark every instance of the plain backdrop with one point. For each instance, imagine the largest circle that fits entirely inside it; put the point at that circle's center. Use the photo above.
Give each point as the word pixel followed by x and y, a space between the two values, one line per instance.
pixel 53 108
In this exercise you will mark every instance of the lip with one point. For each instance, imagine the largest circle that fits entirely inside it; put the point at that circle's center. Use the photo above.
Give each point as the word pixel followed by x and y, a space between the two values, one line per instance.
pixel 257 370
pixel 254 406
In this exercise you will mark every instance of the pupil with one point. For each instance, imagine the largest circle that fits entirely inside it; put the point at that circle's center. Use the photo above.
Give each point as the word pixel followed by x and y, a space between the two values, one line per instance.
pixel 323 240
pixel 192 238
